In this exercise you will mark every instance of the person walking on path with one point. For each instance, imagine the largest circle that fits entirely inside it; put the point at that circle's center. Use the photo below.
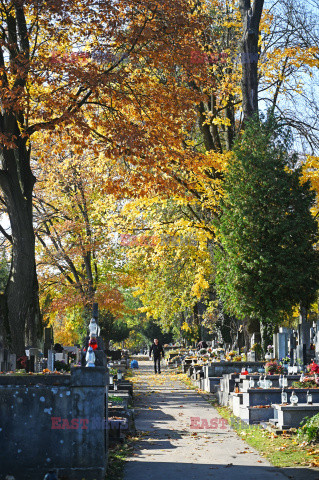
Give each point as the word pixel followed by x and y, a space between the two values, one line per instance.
pixel 201 344
pixel 157 350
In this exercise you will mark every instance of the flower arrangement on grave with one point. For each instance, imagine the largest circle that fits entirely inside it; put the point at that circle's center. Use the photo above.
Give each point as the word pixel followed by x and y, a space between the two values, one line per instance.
pixel 308 381
pixel 270 348
pixel 237 358
pixel 60 365
pixel 232 353
pixel 22 362
pixel 313 368
pixel 273 368
pixel 285 360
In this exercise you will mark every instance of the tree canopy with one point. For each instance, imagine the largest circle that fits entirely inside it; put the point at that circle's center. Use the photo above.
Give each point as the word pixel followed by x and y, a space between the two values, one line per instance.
pixel 266 262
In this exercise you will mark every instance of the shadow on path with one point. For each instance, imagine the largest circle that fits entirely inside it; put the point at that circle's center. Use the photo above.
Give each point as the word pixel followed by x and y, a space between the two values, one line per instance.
pixel 168 449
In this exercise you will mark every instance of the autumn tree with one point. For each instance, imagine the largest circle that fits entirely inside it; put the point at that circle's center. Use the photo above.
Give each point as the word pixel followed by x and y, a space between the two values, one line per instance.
pixel 78 261
pixel 69 64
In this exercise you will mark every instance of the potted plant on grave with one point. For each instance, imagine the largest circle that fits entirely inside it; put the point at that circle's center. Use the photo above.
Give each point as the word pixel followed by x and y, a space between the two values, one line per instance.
pixel 270 352
pixel 285 362
pixel 273 368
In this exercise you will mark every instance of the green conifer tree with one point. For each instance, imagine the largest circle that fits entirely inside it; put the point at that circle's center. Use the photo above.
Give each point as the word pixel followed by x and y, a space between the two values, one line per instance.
pixel 266 260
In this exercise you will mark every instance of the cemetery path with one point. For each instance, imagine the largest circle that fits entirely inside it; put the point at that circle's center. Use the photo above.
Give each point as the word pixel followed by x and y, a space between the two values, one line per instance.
pixel 169 449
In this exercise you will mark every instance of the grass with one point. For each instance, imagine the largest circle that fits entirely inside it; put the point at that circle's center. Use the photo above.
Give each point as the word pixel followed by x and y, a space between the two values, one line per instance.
pixel 118 454
pixel 281 450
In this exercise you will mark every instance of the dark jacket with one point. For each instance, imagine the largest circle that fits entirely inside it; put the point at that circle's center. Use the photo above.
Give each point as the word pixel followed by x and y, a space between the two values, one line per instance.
pixel 157 350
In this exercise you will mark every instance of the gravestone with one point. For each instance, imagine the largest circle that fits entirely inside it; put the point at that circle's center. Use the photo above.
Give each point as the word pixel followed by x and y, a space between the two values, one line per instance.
pixel 303 337
pixel 75 350
pixel 240 340
pixel 251 356
pixel 292 344
pixel 1 359
pixel 281 342
pixel 48 340
pixel 7 360
pixel 51 360
pixel 12 362
pixel 61 357
pixel 290 416
pixel 33 360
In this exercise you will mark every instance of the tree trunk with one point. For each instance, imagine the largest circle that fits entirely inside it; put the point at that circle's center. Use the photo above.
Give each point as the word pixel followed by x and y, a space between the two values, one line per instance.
pixel 250 16
pixel 21 295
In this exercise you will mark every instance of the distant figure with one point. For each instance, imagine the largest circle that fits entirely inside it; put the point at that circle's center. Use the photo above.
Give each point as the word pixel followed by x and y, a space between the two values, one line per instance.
pixel 201 344
pixel 157 351
pixel 134 364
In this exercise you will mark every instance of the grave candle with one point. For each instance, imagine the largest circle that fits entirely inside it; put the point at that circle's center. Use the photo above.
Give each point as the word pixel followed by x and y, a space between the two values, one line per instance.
pixel 119 375
pixel 293 398
pixel 280 381
pixel 309 398
pixel 268 383
pixel 284 398
pixel 251 382
pixel 111 377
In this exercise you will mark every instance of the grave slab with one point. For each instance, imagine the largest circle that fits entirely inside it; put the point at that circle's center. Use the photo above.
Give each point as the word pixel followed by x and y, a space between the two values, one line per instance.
pixel 255 415
pixel 290 416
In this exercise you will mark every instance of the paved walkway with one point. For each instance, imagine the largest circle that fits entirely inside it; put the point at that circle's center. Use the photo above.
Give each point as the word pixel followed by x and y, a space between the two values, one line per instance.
pixel 169 449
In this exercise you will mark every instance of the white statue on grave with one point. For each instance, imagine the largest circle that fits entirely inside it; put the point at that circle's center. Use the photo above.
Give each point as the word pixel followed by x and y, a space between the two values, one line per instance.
pixel 90 357
pixel 94 328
